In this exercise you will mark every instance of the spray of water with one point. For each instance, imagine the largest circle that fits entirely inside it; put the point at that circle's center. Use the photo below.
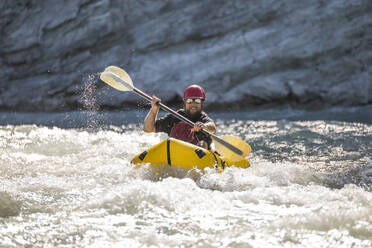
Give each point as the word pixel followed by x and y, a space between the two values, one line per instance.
pixel 88 97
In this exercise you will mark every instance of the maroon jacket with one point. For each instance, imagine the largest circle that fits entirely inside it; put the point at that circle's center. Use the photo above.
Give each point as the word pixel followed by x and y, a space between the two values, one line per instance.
pixel 178 129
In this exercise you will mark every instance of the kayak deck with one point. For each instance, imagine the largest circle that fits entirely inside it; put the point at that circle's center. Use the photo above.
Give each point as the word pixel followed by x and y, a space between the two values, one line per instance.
pixel 185 155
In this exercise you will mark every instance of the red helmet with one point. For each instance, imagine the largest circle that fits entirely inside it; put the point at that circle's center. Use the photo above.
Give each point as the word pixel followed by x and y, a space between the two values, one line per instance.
pixel 194 92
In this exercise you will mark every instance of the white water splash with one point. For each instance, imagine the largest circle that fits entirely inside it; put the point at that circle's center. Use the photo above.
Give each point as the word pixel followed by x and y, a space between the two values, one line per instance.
pixel 77 188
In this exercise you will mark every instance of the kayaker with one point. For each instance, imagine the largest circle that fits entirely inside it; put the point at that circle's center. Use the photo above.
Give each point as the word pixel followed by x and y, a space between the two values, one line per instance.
pixel 193 100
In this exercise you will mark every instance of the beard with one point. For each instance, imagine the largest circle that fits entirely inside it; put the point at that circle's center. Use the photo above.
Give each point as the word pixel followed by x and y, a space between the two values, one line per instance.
pixel 194 115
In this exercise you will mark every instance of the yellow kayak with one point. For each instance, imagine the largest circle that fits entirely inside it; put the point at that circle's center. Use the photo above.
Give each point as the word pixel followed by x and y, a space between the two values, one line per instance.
pixel 178 153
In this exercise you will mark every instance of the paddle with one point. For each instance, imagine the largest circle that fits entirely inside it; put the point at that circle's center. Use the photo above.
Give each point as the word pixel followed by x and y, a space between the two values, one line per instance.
pixel 227 146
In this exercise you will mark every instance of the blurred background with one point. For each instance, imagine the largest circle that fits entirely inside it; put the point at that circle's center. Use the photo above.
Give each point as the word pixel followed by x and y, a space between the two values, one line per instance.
pixel 249 56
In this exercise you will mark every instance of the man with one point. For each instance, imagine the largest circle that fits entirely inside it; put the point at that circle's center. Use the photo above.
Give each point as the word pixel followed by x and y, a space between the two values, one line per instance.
pixel 193 100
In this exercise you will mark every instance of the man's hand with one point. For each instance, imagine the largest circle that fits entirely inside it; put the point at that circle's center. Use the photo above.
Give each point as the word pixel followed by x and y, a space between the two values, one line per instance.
pixel 149 122
pixel 209 126
pixel 198 126
pixel 155 103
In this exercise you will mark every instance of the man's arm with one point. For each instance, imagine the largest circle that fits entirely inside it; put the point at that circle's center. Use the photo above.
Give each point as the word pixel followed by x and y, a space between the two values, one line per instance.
pixel 149 122
pixel 209 126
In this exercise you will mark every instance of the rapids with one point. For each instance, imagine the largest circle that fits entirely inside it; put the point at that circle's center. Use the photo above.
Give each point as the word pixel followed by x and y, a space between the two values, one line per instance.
pixel 72 185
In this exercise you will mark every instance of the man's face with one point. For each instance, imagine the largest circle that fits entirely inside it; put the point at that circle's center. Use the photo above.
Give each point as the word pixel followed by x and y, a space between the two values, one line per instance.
pixel 193 106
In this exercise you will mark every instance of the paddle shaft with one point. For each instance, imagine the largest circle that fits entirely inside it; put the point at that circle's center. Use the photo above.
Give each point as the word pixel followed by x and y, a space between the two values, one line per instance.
pixel 182 118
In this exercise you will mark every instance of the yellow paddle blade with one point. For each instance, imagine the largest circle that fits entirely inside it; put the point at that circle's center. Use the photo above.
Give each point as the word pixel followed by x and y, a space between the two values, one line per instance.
pixel 228 153
pixel 117 78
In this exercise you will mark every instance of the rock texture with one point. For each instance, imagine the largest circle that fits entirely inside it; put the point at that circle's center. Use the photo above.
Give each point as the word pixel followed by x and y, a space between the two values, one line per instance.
pixel 244 53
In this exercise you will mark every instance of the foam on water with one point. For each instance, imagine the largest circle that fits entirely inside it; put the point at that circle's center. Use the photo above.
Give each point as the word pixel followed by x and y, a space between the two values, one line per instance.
pixel 77 188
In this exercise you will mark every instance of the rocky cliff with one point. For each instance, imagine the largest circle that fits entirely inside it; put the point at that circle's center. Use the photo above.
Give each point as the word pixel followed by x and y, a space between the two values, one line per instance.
pixel 244 53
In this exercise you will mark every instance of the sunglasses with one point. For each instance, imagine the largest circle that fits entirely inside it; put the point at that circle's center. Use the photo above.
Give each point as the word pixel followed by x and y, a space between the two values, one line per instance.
pixel 189 101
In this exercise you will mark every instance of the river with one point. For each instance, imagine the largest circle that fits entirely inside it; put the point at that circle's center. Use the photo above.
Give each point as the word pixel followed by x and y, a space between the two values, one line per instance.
pixel 66 181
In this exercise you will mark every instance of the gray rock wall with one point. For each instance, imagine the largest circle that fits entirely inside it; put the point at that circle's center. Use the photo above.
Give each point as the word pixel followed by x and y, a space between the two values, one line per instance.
pixel 244 53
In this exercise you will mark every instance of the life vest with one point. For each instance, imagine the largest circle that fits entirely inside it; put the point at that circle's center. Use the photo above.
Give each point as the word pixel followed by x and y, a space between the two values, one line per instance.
pixel 182 131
